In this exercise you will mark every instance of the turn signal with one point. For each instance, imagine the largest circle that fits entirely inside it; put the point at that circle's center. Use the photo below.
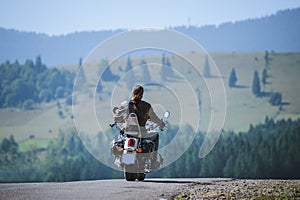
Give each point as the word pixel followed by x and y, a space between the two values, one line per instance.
pixel 119 149
pixel 139 150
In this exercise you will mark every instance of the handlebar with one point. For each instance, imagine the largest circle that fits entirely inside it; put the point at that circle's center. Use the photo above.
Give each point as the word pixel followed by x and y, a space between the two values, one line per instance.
pixel 112 125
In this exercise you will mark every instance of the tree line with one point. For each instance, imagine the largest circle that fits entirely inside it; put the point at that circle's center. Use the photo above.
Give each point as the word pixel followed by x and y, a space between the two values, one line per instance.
pixel 25 85
pixel 65 159
pixel 268 150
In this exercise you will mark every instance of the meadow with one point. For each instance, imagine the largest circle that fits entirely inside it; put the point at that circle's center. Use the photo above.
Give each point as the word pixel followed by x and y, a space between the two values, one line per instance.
pixel 242 107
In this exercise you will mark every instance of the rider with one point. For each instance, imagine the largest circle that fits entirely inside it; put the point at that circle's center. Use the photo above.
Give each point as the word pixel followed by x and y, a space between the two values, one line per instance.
pixel 144 111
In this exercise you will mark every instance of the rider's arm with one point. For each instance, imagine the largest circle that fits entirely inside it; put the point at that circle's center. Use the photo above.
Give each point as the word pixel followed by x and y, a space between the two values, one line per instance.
pixel 155 118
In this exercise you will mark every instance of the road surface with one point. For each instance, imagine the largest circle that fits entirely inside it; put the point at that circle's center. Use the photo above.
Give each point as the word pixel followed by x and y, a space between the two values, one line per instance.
pixel 100 189
pixel 153 189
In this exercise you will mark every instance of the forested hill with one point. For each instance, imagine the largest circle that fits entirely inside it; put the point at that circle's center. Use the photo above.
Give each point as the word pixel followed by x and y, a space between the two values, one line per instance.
pixel 54 50
pixel 278 32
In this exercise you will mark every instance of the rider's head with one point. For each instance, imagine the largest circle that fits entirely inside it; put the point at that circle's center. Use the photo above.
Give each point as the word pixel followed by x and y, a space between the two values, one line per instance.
pixel 137 92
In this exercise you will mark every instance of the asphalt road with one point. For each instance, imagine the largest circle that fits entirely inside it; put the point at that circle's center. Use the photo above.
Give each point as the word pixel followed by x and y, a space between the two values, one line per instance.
pixel 193 188
pixel 100 189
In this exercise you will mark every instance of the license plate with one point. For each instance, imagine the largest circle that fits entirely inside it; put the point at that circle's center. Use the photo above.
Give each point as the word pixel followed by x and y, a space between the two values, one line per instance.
pixel 128 159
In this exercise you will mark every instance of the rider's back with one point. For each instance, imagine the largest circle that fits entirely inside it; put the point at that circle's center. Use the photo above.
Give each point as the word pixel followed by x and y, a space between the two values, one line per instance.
pixel 141 109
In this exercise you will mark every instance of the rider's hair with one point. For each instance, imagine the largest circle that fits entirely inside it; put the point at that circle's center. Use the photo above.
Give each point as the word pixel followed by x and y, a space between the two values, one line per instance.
pixel 137 95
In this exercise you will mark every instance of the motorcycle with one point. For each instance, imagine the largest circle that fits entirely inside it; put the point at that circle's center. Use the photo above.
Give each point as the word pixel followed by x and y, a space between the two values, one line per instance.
pixel 135 150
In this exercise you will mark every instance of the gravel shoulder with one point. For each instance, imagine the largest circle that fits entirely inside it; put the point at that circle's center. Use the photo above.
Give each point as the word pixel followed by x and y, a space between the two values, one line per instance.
pixel 240 189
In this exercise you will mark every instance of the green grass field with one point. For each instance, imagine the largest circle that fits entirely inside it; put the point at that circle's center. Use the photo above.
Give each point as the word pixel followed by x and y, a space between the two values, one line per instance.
pixel 28 145
pixel 242 107
pixel 43 122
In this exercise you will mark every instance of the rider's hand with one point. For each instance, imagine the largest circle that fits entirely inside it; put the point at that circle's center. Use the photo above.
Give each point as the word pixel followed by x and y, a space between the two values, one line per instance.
pixel 162 126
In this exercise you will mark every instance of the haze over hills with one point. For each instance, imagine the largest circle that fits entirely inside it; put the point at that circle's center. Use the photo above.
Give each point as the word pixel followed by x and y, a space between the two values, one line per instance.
pixel 279 32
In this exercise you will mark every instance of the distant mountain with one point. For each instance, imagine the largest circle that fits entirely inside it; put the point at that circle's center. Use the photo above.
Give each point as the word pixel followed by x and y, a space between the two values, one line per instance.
pixel 279 32
pixel 54 50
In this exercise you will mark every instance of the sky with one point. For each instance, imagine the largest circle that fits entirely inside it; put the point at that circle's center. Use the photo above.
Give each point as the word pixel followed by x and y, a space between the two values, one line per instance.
pixel 57 17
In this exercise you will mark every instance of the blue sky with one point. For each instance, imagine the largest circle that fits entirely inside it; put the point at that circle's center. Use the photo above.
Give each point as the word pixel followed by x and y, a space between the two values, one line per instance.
pixel 55 17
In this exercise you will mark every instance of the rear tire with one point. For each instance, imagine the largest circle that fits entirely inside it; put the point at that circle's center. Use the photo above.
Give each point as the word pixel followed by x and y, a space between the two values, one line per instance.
pixel 129 173
pixel 129 176
pixel 140 176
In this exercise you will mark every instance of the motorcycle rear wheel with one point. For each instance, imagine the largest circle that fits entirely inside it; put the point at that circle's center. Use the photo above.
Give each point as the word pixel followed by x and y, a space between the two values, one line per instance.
pixel 140 176
pixel 130 176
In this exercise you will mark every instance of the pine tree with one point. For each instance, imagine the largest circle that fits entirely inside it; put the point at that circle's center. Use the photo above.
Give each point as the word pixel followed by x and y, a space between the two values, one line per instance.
pixel 108 75
pixel 206 70
pixel 80 77
pixel 256 84
pixel 145 72
pixel 99 87
pixel 170 70
pixel 275 99
pixel 232 78
pixel 267 59
pixel 130 80
pixel 39 65
pixel 264 78
pixel 164 70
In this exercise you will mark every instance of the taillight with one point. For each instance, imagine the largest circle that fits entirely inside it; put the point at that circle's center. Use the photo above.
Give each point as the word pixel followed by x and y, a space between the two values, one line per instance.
pixel 131 142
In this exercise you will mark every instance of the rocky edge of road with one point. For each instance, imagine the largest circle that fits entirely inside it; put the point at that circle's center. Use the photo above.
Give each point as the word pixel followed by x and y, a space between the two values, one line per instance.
pixel 241 189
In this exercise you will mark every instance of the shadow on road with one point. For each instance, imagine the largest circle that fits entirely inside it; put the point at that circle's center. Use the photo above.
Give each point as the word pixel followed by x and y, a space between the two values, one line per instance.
pixel 168 181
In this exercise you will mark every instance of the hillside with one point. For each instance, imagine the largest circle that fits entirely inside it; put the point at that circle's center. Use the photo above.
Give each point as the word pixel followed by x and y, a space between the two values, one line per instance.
pixel 243 108
pixel 278 32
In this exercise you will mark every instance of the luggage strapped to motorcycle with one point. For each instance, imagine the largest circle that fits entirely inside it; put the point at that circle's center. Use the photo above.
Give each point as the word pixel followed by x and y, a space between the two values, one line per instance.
pixel 132 126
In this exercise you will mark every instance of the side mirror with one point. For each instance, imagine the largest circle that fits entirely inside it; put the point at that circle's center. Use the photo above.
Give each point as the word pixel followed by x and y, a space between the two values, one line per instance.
pixel 116 110
pixel 166 114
